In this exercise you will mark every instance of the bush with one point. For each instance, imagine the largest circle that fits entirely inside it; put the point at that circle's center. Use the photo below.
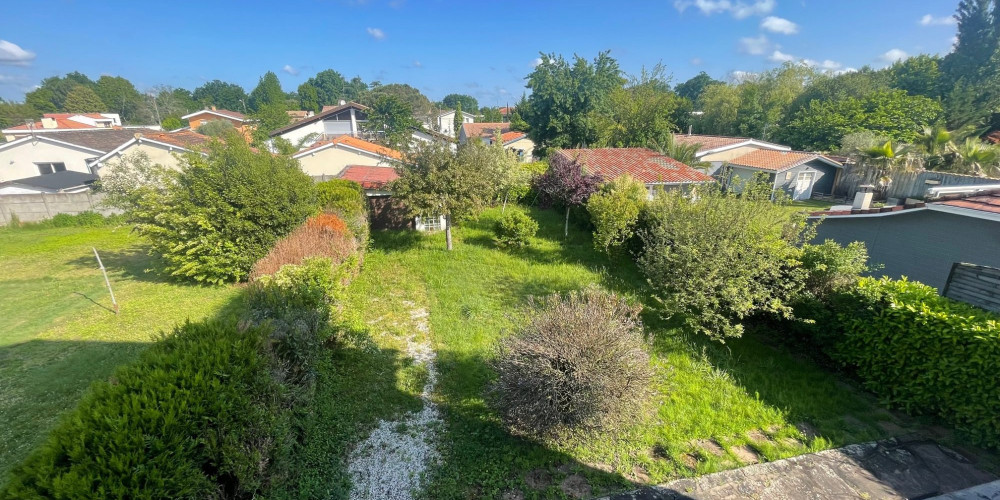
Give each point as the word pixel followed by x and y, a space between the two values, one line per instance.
pixel 832 268
pixel 222 213
pixel 924 353
pixel 578 365
pixel 614 211
pixel 515 228
pixel 346 199
pixel 718 259
pixel 194 418
pixel 82 219
pixel 324 235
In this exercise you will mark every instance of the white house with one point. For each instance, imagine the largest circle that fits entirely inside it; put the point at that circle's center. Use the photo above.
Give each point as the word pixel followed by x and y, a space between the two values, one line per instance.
pixel 717 149
pixel 63 151
pixel 53 122
pixel 334 121
pixel 445 122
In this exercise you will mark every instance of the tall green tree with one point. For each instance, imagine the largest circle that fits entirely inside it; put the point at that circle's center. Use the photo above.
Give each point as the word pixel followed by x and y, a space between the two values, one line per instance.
pixel 565 99
pixel 918 75
pixel 418 103
pixel 468 103
pixel 489 114
pixel 222 95
pixel 641 113
pixel 120 96
pixel 692 89
pixel 50 96
pixel 14 113
pixel 971 72
pixel 390 119
pixel 83 100
pixel 308 98
pixel 330 87
pixel 458 121
pixel 267 93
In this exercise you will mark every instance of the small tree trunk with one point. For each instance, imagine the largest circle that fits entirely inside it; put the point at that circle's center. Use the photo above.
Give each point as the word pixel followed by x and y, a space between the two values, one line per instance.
pixel 566 228
pixel 504 207
pixel 447 230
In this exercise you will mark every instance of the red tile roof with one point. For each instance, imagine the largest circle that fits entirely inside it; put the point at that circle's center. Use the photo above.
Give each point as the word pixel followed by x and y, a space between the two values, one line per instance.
pixel 181 138
pixel 776 161
pixel 709 142
pixel 512 136
pixel 646 165
pixel 480 129
pixel 986 203
pixel 354 142
pixel 369 177
pixel 504 111
pixel 62 122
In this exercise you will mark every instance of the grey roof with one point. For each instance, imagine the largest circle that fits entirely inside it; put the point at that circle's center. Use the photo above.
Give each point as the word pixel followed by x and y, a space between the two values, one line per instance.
pixel 103 140
pixel 57 181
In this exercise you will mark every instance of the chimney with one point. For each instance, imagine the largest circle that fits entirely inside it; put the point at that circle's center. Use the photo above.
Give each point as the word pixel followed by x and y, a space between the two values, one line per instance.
pixel 343 102
pixel 863 198
pixel 213 108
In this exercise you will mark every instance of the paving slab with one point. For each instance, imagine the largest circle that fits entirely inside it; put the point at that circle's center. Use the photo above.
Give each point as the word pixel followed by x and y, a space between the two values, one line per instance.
pixel 890 469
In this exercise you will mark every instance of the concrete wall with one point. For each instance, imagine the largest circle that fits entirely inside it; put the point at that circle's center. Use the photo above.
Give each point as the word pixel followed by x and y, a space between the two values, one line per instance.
pixel 919 244
pixel 729 154
pixel 18 162
pixel 332 160
pixel 38 207
pixel 297 134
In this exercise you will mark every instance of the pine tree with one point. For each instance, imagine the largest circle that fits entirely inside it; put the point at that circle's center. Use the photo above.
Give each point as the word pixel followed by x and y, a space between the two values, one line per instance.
pixel 458 118
pixel 267 92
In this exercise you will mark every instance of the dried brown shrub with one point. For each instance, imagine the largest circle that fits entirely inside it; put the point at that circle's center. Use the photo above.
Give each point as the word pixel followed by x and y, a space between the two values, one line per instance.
pixel 324 235
pixel 578 365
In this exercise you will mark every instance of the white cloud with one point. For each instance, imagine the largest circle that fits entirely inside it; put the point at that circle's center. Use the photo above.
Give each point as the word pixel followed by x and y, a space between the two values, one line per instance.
pixel 290 70
pixel 376 33
pixel 845 70
pixel 755 46
pixel 12 54
pixel 696 61
pixel 738 8
pixel 418 64
pixel 739 76
pixel 780 57
pixel 776 24
pixel 894 55
pixel 929 20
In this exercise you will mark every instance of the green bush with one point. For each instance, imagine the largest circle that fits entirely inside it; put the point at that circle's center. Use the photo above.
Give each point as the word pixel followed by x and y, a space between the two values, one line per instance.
pixel 614 211
pixel 515 229
pixel 924 353
pixel 346 199
pixel 223 212
pixel 82 219
pixel 832 267
pixel 195 417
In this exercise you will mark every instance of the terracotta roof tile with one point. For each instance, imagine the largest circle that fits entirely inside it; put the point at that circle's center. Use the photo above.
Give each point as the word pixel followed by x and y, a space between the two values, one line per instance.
pixel 480 129
pixel 184 138
pixel 709 142
pixel 354 142
pixel 369 177
pixel 512 136
pixel 775 161
pixel 645 165
pixel 986 203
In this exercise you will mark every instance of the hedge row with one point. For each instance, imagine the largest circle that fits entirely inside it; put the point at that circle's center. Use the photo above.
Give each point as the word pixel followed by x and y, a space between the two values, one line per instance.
pixel 924 353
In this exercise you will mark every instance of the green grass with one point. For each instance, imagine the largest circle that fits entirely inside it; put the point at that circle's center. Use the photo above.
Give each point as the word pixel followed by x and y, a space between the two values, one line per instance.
pixel 744 393
pixel 58 332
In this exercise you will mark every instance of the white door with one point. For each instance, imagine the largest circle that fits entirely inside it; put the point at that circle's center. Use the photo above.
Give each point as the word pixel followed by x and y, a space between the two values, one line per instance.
pixel 803 186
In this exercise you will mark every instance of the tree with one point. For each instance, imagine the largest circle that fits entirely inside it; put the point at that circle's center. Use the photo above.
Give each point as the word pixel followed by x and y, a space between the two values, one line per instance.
pixel 977 38
pixel 120 96
pixel 269 117
pixel 692 89
pixel 615 211
pixel 435 181
pixel 566 183
pixel 355 89
pixel 309 98
pixel 640 114
pixel 13 113
pixel 468 103
pixel 418 103
pixel 500 168
pixel 391 119
pixel 51 94
pixel 222 95
pixel 42 100
pixel 489 115
pixel 330 87
pixel 682 152
pixel 217 128
pixel 170 101
pixel 918 75
pixel 756 105
pixel 458 120
pixel 172 123
pixel 267 93
pixel 565 99
pixel 83 100
pixel 878 164
pixel 979 158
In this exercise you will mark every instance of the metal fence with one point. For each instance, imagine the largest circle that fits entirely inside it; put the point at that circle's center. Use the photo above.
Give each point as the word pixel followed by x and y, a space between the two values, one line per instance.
pixel 907 184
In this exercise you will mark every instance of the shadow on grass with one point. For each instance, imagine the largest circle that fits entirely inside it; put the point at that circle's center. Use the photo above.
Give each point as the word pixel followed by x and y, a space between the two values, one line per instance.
pixel 135 263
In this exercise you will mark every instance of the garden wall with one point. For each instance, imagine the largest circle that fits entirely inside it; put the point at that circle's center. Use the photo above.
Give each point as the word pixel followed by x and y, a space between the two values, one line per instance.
pixel 39 207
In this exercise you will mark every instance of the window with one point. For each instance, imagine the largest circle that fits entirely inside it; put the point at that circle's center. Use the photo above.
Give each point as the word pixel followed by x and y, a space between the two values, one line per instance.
pixel 430 223
pixel 49 168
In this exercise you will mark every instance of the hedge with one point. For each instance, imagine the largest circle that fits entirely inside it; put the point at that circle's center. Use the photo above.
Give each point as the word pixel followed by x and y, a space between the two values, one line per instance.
pixel 924 353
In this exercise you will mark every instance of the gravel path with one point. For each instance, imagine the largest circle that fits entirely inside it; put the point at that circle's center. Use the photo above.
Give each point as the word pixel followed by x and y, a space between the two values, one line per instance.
pixel 391 463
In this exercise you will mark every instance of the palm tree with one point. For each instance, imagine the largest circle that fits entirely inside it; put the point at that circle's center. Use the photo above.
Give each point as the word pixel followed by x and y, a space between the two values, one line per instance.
pixel 879 163
pixel 977 157
pixel 684 153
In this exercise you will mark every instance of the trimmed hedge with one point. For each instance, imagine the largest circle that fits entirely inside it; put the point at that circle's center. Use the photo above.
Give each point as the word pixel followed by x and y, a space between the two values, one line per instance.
pixel 924 353
pixel 186 421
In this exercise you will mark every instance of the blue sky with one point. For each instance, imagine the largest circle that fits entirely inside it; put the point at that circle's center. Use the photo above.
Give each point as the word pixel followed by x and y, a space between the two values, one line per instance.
pixel 484 49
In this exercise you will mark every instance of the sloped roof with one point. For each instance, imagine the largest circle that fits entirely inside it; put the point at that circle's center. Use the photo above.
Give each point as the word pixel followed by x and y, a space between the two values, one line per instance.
pixel 778 161
pixel 369 177
pixel 62 122
pixel 182 138
pixel 225 113
pixel 319 116
pixel 480 129
pixel 643 164
pixel 103 140
pixel 353 142
pixel 985 203
pixel 721 142
pixel 512 136
pixel 57 181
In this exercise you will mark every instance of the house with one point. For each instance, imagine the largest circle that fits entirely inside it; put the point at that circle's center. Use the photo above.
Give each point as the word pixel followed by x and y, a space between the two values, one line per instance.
pixel 239 121
pixel 54 122
pixel 299 115
pixel 64 181
pixel 923 240
pixel 518 142
pixel 717 149
pixel 422 135
pixel 505 112
pixel 63 151
pixel 480 130
pixel 372 179
pixel 347 118
pixel 329 158
pixel 797 173
pixel 653 169
pixel 445 122
pixel 162 148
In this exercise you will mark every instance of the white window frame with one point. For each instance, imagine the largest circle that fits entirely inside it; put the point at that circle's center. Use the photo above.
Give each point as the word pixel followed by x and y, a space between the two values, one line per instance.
pixel 51 165
pixel 435 223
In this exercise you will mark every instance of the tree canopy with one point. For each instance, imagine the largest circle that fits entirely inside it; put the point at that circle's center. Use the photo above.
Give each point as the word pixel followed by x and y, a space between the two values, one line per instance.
pixel 221 94
pixel 469 104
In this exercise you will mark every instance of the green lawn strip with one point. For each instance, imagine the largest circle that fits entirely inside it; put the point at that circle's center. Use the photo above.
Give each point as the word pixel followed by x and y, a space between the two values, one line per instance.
pixel 741 394
pixel 57 332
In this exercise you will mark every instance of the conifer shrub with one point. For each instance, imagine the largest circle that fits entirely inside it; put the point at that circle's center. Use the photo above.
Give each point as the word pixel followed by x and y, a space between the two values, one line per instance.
pixel 578 365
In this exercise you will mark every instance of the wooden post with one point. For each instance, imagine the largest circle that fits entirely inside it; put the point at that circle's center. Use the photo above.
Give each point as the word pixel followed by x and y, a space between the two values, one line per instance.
pixel 106 280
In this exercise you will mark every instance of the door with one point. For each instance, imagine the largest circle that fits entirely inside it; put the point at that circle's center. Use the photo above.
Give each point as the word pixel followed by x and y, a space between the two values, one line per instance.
pixel 803 186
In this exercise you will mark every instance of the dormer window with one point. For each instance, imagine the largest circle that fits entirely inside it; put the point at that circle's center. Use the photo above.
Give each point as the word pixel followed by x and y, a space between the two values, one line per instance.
pixel 50 168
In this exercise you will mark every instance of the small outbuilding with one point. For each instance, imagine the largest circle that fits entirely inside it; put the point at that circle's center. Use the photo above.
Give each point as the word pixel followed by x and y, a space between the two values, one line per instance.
pixel 797 173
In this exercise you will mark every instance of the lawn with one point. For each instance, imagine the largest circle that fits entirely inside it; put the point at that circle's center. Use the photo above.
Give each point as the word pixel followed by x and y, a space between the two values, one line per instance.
pixel 716 406
pixel 58 332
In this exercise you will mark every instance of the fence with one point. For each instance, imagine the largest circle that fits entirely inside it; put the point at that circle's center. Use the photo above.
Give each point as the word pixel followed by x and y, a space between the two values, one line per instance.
pixel 907 184
pixel 38 207
pixel 976 285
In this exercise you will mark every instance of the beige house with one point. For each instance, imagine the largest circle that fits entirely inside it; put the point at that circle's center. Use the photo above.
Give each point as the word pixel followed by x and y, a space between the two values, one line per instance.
pixel 162 148
pixel 512 140
pixel 519 143
pixel 717 149
pixel 327 159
